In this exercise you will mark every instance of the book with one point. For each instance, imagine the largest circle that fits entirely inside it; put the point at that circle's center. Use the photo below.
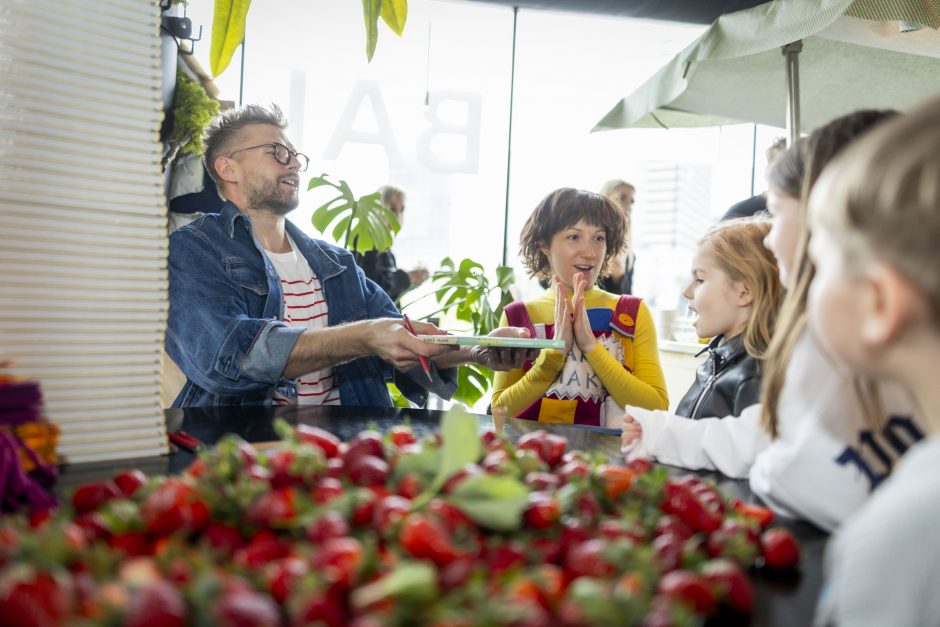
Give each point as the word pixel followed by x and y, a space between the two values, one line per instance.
pixel 490 340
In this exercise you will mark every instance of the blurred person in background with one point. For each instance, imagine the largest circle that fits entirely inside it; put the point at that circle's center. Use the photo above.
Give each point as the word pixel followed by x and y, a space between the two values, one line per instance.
pixel 620 280
pixel 380 265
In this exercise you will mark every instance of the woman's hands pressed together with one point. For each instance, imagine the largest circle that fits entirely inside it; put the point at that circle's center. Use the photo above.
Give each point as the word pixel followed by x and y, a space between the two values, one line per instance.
pixel 571 319
pixel 583 334
pixel 563 330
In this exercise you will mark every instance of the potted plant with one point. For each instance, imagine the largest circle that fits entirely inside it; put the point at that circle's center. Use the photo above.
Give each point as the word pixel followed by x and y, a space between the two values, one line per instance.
pixel 463 289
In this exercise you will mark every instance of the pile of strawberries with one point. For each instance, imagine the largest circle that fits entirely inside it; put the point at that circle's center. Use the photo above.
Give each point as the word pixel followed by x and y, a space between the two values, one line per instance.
pixel 390 530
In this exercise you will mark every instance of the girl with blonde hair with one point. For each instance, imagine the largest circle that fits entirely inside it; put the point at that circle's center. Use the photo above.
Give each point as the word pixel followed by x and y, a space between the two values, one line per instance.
pixel 735 293
pixel 815 447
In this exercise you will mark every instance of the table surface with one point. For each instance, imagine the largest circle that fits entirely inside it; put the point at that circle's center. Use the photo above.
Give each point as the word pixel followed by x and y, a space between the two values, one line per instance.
pixel 782 600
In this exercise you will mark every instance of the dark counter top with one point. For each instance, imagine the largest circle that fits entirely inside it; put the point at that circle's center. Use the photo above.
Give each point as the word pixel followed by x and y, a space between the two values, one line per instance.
pixel 782 601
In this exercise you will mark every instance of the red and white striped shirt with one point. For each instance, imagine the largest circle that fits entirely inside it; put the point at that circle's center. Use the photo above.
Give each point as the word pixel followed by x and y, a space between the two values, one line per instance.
pixel 305 307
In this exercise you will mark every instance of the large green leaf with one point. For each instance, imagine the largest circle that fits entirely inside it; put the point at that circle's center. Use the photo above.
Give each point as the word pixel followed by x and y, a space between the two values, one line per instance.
pixel 461 447
pixel 394 14
pixel 228 32
pixel 371 11
pixel 492 501
pixel 472 383
pixel 360 224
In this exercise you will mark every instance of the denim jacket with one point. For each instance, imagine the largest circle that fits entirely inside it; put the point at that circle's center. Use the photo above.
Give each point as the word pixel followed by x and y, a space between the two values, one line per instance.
pixel 225 329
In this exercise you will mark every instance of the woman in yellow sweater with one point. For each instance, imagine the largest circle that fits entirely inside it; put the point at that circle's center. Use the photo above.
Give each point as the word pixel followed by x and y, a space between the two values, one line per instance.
pixel 611 357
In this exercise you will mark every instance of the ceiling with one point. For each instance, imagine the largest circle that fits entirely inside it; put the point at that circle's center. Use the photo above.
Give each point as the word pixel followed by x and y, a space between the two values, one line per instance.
pixel 689 11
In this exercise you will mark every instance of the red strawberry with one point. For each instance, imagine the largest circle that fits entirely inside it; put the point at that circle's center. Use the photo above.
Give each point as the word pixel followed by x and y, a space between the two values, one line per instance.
pixel 689 588
pixel 329 525
pixel 223 538
pixel 339 559
pixel 730 584
pixel 366 443
pixel 246 609
pixel 132 544
pixel 615 479
pixel 33 599
pixel 573 470
pixel 173 506
pixel 402 435
pixel 282 575
pixel 389 511
pixel 542 480
pixel 424 538
pixel 542 510
pixel 91 496
pixel 496 462
pixel 505 555
pixel 158 603
pixel 780 549
pixel 550 447
pixel 763 515
pixel 263 547
pixel 366 470
pixel 327 489
pixel 129 481
pixel 324 440
pixel 410 485
pixel 273 509
pixel 588 559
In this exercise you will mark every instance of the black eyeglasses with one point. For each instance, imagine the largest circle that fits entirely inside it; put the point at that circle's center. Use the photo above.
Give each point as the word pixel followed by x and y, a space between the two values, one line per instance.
pixel 282 153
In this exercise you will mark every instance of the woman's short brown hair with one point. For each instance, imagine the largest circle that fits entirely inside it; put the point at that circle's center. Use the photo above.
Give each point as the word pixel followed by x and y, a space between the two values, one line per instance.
pixel 561 209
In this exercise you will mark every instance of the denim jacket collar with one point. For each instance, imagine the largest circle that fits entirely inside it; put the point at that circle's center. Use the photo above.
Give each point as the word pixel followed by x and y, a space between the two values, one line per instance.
pixel 320 262
pixel 229 214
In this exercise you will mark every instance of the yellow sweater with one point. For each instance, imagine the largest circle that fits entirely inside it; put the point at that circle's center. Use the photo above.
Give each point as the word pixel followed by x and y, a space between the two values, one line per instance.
pixel 644 387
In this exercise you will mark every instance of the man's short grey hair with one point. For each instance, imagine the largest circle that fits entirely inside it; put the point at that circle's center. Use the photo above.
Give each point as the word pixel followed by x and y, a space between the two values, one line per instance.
pixel 222 132
pixel 388 192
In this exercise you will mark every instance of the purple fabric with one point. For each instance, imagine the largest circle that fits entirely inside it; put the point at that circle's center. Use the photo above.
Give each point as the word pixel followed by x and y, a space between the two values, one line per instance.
pixel 19 395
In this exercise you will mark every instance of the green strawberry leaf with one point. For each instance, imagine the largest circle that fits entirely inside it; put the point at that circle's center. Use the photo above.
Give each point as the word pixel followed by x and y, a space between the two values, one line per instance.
pixel 461 447
pixel 492 501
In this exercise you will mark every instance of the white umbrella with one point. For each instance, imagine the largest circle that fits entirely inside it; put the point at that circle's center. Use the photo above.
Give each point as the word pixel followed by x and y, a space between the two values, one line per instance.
pixel 851 54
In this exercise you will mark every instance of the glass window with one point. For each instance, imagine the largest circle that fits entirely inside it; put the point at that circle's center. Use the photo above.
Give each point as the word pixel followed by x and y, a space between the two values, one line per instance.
pixel 431 115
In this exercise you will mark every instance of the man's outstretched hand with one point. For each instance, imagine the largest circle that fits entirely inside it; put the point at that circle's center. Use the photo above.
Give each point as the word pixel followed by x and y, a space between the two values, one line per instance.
pixel 390 340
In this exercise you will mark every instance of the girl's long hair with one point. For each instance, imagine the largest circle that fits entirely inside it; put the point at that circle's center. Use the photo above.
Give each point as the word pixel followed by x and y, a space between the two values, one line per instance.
pixel 738 248
pixel 807 158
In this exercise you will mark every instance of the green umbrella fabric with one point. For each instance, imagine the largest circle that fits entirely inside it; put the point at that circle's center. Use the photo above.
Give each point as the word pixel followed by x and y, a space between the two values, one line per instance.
pixel 855 55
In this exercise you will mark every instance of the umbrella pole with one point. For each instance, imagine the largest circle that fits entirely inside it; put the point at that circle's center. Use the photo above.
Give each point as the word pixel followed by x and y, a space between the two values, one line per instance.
pixel 792 54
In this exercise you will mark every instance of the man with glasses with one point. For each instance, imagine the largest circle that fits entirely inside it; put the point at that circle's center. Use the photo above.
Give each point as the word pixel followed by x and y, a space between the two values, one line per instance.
pixel 261 313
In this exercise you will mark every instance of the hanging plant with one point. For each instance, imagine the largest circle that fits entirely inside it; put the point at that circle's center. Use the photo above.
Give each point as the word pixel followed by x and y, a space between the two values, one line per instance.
pixel 230 16
pixel 193 109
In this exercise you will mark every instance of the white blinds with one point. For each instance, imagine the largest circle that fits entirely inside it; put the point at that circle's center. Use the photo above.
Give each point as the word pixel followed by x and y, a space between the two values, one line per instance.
pixel 83 239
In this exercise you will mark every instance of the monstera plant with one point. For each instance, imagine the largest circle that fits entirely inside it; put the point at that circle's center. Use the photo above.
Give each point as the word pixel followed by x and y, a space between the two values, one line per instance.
pixel 463 290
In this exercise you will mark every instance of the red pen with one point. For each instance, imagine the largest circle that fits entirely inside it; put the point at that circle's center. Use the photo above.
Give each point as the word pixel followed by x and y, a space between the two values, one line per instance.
pixel 424 360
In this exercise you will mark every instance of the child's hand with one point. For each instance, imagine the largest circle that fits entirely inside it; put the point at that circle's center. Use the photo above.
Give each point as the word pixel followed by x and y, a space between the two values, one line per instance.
pixel 563 315
pixel 583 335
pixel 632 433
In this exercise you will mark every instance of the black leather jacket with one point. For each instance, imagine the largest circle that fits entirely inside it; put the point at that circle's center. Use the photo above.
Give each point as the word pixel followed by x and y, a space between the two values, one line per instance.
pixel 726 382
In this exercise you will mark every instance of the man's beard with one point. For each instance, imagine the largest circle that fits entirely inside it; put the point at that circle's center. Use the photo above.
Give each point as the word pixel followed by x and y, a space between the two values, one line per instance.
pixel 269 196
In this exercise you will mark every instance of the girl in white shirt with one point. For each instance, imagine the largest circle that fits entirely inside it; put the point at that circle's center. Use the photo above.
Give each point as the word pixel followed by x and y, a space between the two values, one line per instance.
pixel 875 301
pixel 821 441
